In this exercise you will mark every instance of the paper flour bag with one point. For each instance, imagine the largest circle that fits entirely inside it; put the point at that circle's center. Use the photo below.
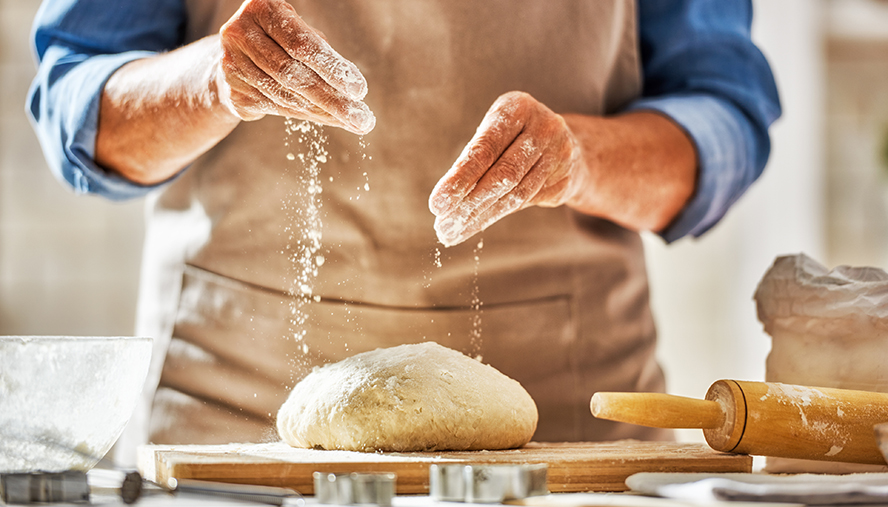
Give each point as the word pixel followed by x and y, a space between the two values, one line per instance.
pixel 828 329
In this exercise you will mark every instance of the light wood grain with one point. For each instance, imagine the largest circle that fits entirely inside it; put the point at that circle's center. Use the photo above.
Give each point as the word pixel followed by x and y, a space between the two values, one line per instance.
pixel 657 410
pixel 573 467
pixel 814 423
pixel 764 419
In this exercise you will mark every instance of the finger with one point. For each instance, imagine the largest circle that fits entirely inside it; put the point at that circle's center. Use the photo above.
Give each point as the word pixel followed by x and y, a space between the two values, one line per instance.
pixel 297 77
pixel 252 105
pixel 278 70
pixel 320 34
pixel 270 97
pixel 280 21
pixel 350 112
pixel 504 176
pixel 495 134
pixel 453 230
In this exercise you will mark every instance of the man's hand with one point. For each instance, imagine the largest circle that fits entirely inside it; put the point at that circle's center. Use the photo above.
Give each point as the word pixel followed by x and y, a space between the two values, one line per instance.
pixel 522 154
pixel 637 169
pixel 159 114
pixel 274 63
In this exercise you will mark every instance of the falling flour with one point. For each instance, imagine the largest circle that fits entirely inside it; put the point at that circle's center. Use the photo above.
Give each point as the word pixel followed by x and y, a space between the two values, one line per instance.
pixel 303 209
pixel 476 303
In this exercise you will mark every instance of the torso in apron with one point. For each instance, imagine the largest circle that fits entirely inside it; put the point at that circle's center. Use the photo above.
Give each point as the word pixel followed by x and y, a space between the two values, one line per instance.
pixel 563 297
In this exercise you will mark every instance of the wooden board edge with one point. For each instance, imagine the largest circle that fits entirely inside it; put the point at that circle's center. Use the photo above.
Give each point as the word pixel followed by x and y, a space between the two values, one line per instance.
pixel 146 461
pixel 160 463
pixel 563 479
pixel 413 477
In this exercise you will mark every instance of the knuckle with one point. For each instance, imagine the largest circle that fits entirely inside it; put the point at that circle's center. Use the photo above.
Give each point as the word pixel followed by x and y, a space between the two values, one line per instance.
pixel 303 45
pixel 514 106
pixel 483 151
pixel 230 29
pixel 519 100
pixel 459 185
pixel 289 70
pixel 556 122
pixel 514 96
pixel 524 192
pixel 510 170
pixel 248 9
pixel 302 42
pixel 256 7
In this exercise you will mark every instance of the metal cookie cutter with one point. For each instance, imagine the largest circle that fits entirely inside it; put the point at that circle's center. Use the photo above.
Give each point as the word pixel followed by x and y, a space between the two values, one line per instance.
pixel 354 488
pixel 44 487
pixel 486 483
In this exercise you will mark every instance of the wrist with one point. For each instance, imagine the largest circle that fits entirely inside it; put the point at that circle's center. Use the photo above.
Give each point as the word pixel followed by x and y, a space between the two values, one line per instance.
pixel 218 91
pixel 640 168
pixel 586 159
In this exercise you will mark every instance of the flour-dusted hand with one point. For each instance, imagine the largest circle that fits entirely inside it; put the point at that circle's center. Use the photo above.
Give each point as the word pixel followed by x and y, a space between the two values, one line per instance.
pixel 522 154
pixel 272 62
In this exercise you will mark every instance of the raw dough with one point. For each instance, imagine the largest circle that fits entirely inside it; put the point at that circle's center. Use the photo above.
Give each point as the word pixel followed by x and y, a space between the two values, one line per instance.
pixel 421 397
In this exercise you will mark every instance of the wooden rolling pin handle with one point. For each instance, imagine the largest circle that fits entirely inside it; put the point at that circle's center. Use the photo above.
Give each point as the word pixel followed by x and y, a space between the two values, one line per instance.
pixel 658 410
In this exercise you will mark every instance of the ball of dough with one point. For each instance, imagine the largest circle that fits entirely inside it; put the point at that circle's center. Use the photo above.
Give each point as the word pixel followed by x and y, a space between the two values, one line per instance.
pixel 421 397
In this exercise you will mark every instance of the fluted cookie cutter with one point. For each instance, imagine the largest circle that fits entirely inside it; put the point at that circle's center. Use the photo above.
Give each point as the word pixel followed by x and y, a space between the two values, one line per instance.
pixel 486 483
pixel 354 488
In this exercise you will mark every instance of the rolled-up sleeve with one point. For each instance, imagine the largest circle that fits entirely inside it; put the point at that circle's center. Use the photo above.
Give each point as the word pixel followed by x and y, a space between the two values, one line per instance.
pixel 702 69
pixel 79 44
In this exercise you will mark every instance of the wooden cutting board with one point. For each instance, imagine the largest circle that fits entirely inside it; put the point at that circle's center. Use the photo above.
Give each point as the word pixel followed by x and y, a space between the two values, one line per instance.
pixel 573 467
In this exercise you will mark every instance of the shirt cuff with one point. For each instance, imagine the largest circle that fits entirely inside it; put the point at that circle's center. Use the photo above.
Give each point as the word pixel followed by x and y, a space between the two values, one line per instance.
pixel 724 141
pixel 80 92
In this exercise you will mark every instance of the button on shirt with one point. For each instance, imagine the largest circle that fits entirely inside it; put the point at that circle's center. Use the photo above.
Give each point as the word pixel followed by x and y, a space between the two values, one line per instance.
pixel 700 68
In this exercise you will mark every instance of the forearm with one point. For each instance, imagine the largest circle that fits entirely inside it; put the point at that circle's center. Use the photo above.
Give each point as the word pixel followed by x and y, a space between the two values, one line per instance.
pixel 637 169
pixel 158 114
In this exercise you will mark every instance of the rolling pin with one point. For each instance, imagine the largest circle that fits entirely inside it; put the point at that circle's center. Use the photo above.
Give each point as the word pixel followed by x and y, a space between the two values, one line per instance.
pixel 766 419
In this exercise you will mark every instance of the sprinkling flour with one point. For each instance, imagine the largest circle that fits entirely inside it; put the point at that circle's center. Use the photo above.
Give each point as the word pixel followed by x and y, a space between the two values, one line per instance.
pixel 304 229
pixel 476 303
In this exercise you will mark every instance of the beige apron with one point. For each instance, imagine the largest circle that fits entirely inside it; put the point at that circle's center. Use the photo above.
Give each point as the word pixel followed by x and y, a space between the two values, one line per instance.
pixel 564 296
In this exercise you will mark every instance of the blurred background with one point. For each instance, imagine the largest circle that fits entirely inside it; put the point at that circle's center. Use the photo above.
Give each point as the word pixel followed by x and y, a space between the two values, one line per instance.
pixel 69 265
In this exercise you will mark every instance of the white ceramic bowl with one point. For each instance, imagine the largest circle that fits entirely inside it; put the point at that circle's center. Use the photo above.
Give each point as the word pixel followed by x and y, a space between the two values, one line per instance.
pixel 64 400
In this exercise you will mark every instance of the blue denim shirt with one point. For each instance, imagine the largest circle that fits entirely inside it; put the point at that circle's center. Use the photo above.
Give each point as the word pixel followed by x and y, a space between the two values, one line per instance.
pixel 699 65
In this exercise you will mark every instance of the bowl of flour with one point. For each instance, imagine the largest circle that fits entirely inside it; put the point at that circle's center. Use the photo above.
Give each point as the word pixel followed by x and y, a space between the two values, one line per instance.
pixel 64 400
